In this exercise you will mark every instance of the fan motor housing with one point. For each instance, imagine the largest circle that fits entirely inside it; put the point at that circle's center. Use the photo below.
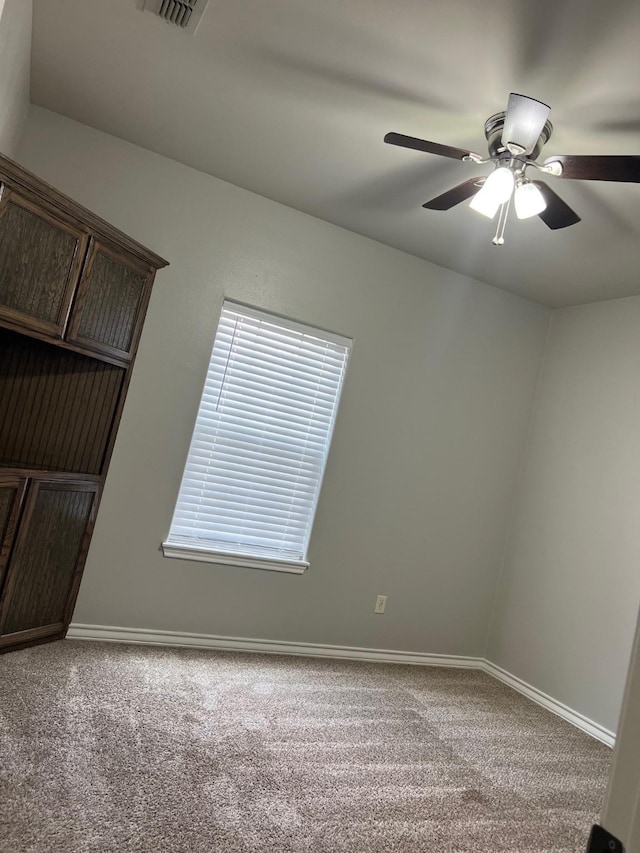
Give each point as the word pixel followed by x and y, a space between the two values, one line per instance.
pixel 493 131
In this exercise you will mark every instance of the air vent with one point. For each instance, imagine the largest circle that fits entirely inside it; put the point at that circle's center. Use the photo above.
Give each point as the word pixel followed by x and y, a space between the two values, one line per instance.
pixel 177 11
pixel 185 14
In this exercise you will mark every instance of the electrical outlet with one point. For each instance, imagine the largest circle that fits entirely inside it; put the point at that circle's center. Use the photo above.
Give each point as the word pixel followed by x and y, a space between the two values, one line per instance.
pixel 381 603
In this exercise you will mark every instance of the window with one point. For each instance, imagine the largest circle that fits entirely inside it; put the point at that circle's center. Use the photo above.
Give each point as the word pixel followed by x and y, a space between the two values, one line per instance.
pixel 260 443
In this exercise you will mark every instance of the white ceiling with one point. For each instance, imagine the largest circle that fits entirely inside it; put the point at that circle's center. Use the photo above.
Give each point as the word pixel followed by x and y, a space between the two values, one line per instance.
pixel 292 98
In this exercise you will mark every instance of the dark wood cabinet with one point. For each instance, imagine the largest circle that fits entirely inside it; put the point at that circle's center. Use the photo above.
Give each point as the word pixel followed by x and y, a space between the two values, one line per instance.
pixel 110 303
pixel 73 295
pixel 40 257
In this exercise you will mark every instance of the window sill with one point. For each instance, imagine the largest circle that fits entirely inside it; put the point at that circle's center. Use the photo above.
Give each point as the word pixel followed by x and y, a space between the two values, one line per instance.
pixel 202 555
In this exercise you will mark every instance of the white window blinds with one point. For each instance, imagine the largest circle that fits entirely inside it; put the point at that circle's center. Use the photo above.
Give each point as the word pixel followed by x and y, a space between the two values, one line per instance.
pixel 261 439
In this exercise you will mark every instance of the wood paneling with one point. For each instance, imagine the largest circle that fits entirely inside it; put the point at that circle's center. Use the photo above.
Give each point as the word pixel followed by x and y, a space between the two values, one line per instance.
pixel 111 297
pixel 12 490
pixel 47 554
pixel 56 406
pixel 39 262
pixel 7 497
pixel 111 304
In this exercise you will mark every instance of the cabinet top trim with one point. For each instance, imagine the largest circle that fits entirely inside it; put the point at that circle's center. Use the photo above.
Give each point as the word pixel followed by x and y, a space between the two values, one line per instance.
pixel 18 177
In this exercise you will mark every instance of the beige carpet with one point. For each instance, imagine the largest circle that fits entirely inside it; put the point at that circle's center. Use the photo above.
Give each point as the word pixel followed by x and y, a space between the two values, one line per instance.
pixel 129 748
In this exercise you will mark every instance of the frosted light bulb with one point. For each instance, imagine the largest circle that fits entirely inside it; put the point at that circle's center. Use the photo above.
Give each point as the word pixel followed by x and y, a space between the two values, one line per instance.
pixel 484 205
pixel 496 190
pixel 529 201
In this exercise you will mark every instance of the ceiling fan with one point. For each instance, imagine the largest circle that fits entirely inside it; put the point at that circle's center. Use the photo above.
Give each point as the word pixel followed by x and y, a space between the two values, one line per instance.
pixel 515 139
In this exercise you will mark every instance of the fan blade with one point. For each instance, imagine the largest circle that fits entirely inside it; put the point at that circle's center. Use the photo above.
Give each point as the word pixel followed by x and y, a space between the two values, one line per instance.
pixel 454 196
pixel 430 147
pixel 557 213
pixel 616 167
pixel 524 121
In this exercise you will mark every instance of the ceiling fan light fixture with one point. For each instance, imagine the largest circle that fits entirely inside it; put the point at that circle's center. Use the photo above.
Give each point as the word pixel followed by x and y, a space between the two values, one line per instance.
pixel 515 139
pixel 528 201
pixel 496 190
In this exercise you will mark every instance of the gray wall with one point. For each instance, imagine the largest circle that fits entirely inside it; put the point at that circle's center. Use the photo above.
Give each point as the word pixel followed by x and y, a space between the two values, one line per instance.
pixel 568 600
pixel 428 440
pixel 15 61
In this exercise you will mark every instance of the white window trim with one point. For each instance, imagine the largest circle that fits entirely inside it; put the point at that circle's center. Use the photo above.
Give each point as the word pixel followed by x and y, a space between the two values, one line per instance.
pixel 202 553
pixel 225 558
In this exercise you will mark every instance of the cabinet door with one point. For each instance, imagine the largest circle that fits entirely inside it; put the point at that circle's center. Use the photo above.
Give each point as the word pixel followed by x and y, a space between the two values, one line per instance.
pixel 109 308
pixel 40 259
pixel 12 491
pixel 47 557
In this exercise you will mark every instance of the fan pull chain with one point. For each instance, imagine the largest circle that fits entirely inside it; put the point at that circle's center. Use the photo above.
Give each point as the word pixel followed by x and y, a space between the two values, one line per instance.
pixel 498 240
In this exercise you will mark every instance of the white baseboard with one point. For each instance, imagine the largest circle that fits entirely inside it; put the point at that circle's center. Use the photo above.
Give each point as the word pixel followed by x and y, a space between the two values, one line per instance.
pixel 277 647
pixel 579 720
pixel 145 636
